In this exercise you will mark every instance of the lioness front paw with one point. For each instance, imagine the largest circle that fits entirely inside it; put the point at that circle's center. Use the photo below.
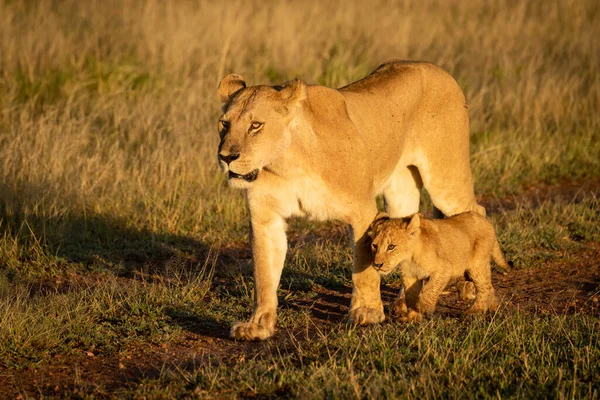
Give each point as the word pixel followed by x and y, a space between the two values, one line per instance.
pixel 250 331
pixel 364 316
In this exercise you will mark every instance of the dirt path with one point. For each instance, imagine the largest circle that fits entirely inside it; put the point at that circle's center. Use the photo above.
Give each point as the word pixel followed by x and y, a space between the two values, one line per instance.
pixel 561 286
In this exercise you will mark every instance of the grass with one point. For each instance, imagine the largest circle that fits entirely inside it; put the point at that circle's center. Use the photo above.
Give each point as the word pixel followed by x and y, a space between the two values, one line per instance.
pixel 118 232
pixel 504 355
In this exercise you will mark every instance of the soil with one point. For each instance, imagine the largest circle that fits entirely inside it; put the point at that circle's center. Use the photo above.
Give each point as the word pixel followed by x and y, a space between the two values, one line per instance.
pixel 559 286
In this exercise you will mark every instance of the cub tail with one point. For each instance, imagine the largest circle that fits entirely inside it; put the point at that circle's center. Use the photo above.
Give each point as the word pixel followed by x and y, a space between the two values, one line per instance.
pixel 501 265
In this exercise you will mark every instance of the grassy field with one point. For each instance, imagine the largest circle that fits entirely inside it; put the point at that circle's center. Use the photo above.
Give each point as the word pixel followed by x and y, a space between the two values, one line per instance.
pixel 124 256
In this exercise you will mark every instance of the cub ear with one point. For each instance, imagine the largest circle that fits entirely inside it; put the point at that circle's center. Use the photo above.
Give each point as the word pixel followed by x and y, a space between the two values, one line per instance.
pixel 414 225
pixel 379 218
pixel 293 93
pixel 230 85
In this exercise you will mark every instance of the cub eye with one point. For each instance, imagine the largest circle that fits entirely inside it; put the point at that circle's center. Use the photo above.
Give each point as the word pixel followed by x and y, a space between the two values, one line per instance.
pixel 255 126
pixel 391 247
pixel 374 247
pixel 223 125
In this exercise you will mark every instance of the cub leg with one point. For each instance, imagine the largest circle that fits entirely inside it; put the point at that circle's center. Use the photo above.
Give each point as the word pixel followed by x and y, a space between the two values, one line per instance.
pixel 408 296
pixel 366 306
pixel 403 193
pixel 412 288
pixel 399 307
pixel 486 295
pixel 431 292
pixel 407 305
pixel 466 288
pixel 269 245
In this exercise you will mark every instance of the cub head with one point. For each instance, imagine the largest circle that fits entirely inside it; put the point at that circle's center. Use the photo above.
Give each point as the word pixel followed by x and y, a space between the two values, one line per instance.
pixel 254 127
pixel 393 241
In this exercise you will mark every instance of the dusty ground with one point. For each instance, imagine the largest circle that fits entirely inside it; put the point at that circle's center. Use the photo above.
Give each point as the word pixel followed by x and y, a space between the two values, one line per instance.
pixel 562 286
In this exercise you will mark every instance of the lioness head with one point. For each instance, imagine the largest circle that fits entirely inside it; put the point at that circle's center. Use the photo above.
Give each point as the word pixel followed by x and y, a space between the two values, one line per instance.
pixel 254 127
pixel 392 241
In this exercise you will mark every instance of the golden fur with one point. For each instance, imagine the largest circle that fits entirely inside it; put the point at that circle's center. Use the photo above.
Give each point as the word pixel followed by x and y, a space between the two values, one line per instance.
pixel 439 250
pixel 325 153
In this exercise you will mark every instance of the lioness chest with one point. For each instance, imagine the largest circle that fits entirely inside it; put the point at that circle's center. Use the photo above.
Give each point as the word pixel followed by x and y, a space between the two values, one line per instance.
pixel 303 196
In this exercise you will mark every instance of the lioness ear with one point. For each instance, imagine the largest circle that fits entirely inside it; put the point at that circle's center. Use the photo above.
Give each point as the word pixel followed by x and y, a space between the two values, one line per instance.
pixel 230 85
pixel 293 93
pixel 413 225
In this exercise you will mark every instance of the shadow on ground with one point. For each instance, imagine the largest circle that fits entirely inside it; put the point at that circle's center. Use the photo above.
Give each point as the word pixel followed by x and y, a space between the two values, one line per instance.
pixel 79 235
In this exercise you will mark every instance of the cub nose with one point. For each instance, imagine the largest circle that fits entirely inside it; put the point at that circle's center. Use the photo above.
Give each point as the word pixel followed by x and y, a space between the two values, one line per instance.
pixel 229 158
pixel 378 265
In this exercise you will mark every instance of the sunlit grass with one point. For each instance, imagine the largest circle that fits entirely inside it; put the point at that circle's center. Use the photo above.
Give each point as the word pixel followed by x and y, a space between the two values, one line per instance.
pixel 116 224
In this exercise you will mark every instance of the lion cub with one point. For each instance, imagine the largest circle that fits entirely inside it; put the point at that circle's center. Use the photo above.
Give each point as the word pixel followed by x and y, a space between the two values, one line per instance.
pixel 440 250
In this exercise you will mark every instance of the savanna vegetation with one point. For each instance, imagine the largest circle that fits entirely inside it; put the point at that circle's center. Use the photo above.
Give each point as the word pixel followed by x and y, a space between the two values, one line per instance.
pixel 124 256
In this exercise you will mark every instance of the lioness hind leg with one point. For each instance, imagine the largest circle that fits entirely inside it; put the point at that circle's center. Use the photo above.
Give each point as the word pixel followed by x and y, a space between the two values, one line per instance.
pixel 403 192
pixel 449 182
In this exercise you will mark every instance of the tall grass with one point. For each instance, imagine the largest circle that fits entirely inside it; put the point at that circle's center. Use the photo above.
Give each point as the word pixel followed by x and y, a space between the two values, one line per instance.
pixel 108 108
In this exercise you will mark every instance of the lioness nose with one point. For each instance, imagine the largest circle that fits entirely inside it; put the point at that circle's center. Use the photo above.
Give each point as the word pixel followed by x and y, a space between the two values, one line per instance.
pixel 378 265
pixel 229 158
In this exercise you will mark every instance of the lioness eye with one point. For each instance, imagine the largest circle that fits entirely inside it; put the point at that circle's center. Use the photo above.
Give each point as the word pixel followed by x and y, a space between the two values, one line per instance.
pixel 256 126
pixel 391 247
pixel 223 125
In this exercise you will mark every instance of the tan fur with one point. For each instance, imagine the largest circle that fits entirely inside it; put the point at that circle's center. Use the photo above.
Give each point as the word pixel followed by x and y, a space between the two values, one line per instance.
pixel 437 250
pixel 327 153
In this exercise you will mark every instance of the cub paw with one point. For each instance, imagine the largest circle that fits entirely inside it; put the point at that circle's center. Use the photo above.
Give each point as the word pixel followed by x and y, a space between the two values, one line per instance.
pixel 466 290
pixel 413 317
pixel 250 331
pixel 480 305
pixel 399 308
pixel 365 316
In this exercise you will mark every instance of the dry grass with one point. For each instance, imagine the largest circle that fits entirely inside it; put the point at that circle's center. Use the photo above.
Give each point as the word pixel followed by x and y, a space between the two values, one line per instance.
pixel 108 108
pixel 108 136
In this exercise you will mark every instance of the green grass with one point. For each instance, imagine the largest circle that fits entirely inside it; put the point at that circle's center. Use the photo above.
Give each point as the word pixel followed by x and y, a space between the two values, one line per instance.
pixel 502 355
pixel 119 233
pixel 507 354
pixel 549 231
pixel 96 313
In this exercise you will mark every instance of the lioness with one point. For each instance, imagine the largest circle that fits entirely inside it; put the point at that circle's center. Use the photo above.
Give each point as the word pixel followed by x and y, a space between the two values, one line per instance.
pixel 309 150
pixel 439 250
